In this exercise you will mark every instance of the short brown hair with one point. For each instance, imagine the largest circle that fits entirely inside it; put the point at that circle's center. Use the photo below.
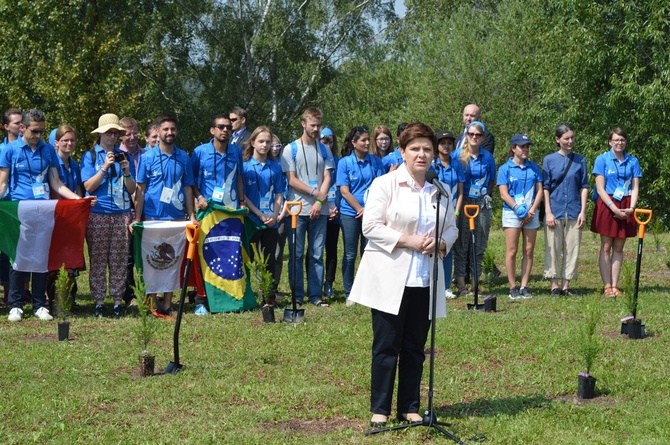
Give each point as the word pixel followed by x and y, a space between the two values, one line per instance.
pixel 414 131
pixel 312 112
pixel 63 129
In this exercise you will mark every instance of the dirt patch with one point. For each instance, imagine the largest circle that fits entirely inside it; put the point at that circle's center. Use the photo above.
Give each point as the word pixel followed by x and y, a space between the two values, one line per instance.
pixel 318 426
pixel 602 400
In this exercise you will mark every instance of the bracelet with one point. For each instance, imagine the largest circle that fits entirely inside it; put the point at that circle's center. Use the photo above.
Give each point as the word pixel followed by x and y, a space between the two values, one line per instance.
pixel 312 192
pixel 200 197
pixel 608 205
pixel 457 213
pixel 136 220
pixel 319 201
pixel 103 172
pixel 126 176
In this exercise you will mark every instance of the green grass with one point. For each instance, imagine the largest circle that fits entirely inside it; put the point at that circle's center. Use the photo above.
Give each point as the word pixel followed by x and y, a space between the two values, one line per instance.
pixel 509 376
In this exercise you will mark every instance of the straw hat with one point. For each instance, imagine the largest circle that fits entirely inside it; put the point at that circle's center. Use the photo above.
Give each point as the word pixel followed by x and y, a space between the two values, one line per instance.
pixel 108 122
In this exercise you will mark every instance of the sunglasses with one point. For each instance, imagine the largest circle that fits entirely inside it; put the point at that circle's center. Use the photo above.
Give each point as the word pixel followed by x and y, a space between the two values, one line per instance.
pixel 475 135
pixel 233 119
pixel 224 126
pixel 276 145
pixel 37 132
pixel 362 129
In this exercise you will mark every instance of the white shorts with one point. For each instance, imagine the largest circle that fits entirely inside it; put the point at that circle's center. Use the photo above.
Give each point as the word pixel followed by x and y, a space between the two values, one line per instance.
pixel 509 219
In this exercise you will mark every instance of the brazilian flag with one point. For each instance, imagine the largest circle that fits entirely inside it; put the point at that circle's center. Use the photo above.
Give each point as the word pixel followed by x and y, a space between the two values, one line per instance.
pixel 223 248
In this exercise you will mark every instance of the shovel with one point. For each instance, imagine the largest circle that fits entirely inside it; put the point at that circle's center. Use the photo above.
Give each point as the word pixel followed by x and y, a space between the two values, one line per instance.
pixel 296 315
pixel 192 232
pixel 471 211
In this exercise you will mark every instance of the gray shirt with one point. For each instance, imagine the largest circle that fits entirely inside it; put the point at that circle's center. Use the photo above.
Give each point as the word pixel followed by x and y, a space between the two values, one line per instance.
pixel 308 164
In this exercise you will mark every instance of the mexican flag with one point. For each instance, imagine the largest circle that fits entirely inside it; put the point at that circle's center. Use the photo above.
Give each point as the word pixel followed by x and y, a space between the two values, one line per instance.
pixel 160 251
pixel 223 248
pixel 41 235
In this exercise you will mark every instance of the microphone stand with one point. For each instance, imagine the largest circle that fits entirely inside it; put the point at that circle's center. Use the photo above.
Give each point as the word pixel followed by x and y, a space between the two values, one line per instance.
pixel 429 417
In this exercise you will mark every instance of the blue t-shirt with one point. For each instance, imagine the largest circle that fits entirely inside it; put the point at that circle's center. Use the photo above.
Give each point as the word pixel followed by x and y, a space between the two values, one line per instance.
pixel 159 171
pixel 212 169
pixel 261 183
pixel 520 181
pixel 113 198
pixel 478 173
pixel 391 159
pixel 28 167
pixel 450 174
pixel 70 176
pixel 616 174
pixel 358 176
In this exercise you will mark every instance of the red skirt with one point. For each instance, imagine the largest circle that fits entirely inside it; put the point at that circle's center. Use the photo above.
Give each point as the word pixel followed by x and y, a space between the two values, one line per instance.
pixel 605 224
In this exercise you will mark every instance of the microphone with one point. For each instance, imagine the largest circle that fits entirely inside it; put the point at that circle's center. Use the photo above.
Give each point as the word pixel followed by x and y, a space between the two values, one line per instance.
pixel 431 177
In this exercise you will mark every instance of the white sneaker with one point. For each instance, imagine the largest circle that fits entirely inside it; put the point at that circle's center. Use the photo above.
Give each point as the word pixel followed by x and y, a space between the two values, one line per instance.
pixel 449 294
pixel 43 314
pixel 350 303
pixel 15 314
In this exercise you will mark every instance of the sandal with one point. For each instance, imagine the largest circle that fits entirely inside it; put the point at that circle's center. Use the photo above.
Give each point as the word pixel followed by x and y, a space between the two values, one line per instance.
pixel 608 292
pixel 320 303
pixel 616 292
pixel 464 292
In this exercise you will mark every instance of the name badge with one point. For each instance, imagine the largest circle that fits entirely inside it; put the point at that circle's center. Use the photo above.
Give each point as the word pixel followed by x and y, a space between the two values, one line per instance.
pixel 619 193
pixel 217 194
pixel 475 191
pixel 38 190
pixel 519 199
pixel 265 205
pixel 166 195
pixel 332 193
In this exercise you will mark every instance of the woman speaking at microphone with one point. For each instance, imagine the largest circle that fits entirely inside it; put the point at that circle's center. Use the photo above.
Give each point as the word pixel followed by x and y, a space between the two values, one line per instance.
pixel 394 276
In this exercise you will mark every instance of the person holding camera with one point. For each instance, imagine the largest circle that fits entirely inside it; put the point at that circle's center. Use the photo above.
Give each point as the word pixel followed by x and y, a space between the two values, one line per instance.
pixel 109 175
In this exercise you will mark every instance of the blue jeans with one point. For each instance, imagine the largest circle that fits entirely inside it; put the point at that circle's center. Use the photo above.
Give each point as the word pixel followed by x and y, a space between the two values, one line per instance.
pixel 4 269
pixel 448 264
pixel 352 231
pixel 17 286
pixel 315 230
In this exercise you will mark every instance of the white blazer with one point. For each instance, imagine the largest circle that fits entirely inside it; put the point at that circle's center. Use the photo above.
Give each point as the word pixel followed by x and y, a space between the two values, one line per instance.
pixel 392 209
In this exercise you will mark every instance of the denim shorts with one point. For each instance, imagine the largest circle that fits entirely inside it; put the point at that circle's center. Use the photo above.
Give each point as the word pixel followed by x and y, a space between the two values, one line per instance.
pixel 509 219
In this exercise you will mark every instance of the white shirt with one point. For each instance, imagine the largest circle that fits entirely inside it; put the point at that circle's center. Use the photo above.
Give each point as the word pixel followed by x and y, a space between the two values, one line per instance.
pixel 418 274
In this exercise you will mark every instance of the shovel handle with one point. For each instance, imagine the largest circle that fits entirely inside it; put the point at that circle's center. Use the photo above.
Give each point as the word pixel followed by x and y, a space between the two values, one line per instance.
pixel 294 214
pixel 643 224
pixel 471 215
pixel 192 233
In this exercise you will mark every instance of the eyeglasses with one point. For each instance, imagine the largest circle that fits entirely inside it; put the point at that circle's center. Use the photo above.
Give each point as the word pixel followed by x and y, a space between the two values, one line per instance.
pixel 112 133
pixel 618 141
pixel 224 126
pixel 37 132
pixel 233 119
pixel 276 145
pixel 475 135
pixel 383 139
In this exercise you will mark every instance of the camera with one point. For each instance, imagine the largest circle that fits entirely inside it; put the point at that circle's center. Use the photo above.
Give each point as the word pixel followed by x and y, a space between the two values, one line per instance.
pixel 118 157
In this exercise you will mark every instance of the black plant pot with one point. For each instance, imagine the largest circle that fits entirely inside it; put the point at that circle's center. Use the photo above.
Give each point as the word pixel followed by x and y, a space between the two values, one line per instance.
pixel 490 304
pixel 291 316
pixel 147 363
pixel 586 387
pixel 268 314
pixel 63 330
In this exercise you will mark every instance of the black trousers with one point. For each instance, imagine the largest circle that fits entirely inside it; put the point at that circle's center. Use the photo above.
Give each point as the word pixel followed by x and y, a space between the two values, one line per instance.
pixel 332 239
pixel 266 242
pixel 399 342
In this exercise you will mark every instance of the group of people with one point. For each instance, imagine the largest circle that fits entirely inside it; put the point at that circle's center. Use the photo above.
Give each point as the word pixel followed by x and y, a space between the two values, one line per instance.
pixel 377 197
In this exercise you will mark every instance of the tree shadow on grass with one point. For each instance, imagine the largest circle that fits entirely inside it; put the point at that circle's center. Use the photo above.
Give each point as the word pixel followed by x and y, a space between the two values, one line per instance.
pixel 493 407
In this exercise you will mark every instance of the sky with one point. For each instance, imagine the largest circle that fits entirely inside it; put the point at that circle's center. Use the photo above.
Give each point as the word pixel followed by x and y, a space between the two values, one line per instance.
pixel 400 8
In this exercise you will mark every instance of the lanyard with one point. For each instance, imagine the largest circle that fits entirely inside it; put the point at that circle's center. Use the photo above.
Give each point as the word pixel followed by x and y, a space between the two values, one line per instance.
pixel 258 179
pixel 30 170
pixel 174 176
pixel 304 155
pixel 225 175
pixel 481 169
pixel 525 178
pixel 66 173
pixel 442 168
pixel 625 170
pixel 360 170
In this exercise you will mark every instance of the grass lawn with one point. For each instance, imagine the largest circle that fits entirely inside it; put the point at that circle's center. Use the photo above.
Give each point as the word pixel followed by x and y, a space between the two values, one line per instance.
pixel 508 377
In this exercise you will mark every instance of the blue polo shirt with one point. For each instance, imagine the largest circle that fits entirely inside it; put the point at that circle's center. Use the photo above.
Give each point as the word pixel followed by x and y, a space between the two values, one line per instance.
pixel 113 198
pixel 27 167
pixel 479 171
pixel 358 176
pixel 616 173
pixel 565 199
pixel 71 176
pixel 158 170
pixel 391 159
pixel 520 180
pixel 263 180
pixel 212 169
pixel 450 174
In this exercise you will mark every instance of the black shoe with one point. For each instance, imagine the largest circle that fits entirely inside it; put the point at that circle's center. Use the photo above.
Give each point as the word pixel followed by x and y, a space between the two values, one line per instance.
pixel 119 310
pixel 556 292
pixel 569 293
pixel 377 425
pixel 100 311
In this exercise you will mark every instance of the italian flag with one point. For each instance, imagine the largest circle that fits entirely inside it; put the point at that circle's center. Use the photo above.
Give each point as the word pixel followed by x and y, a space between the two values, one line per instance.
pixel 41 235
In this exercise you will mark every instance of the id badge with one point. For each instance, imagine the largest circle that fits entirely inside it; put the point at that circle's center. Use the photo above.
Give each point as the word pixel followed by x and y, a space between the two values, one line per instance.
pixel 117 190
pixel 166 195
pixel 38 190
pixel 475 191
pixel 619 193
pixel 331 193
pixel 265 205
pixel 218 194
pixel 519 199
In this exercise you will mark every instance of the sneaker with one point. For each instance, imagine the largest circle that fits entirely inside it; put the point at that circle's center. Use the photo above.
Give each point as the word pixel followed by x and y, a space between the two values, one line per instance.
pixel 556 292
pixel 449 294
pixel 43 314
pixel 201 310
pixel 524 292
pixel 119 310
pixel 350 303
pixel 569 293
pixel 100 311
pixel 514 294
pixel 15 314
pixel 328 289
